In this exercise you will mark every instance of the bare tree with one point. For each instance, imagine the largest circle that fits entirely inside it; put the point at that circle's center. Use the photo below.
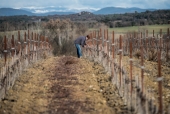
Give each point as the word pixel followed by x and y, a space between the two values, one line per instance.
pixel 81 28
pixel 59 31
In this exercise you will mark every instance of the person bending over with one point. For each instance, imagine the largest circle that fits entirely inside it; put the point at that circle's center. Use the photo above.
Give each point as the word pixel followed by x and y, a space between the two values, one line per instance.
pixel 80 41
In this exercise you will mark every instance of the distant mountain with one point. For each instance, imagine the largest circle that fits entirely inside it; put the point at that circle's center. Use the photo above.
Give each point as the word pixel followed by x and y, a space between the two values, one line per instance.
pixel 57 9
pixel 45 9
pixel 12 12
pixel 119 10
pixel 103 11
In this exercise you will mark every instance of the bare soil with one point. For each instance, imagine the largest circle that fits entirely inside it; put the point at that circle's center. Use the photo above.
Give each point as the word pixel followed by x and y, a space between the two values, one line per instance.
pixel 63 85
pixel 150 80
pixel 68 85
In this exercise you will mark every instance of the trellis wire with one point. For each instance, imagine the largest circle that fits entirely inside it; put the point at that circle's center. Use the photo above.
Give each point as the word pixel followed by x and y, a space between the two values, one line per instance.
pixel 18 55
pixel 137 96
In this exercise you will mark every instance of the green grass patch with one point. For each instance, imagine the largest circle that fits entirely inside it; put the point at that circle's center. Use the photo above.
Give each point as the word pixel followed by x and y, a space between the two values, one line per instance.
pixel 150 28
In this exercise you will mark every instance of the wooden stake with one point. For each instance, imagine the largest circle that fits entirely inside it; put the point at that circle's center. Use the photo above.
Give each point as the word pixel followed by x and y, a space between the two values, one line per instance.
pixel 120 59
pixel 107 43
pixel 98 43
pixel 5 48
pixel 167 44
pixel 19 43
pixel 100 32
pixel 153 34
pixel 113 44
pixel 25 42
pixel 13 45
pixel 130 49
pixel 160 79
pixel 142 64
pixel 113 49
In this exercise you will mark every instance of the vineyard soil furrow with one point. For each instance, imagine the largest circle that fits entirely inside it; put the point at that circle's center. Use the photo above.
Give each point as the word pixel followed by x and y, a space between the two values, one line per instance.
pixel 63 85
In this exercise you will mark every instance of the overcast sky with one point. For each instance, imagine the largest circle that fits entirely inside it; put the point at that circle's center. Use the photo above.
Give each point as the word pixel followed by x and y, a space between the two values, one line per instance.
pixel 85 4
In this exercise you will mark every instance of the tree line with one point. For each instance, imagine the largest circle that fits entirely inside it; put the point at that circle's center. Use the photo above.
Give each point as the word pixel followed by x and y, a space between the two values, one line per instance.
pixel 62 29
pixel 24 22
pixel 136 19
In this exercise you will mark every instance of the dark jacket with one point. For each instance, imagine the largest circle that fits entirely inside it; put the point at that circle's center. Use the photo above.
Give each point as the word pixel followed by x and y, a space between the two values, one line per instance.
pixel 81 41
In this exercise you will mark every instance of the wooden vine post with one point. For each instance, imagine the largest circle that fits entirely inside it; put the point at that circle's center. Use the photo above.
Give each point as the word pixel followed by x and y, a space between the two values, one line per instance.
pixel 146 41
pixel 104 41
pixel 142 64
pixel 95 40
pixel 32 46
pixel 5 49
pixel 120 59
pixel 28 46
pixel 107 42
pixel 19 44
pixel 113 49
pixel 13 46
pixel 168 45
pixel 25 43
pixel 130 50
pixel 98 42
pixel 160 78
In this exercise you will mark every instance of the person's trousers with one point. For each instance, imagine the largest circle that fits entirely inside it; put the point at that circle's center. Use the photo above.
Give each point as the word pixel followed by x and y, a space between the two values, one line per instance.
pixel 79 53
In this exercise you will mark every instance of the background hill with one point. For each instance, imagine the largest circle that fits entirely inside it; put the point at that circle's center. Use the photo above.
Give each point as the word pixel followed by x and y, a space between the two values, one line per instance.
pixel 103 11
pixel 119 10
pixel 12 12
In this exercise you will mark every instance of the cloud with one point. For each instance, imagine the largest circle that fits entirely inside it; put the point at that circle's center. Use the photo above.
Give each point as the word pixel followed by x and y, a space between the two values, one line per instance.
pixel 40 11
pixel 87 4
pixel 128 3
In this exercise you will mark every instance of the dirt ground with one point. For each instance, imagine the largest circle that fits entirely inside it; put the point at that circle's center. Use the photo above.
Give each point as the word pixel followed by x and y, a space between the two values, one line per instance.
pixel 66 85
pixel 150 79
pixel 63 85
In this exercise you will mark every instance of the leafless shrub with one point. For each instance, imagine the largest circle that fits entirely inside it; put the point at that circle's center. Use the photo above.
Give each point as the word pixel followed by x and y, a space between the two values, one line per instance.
pixel 59 32
pixel 68 47
pixel 81 28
